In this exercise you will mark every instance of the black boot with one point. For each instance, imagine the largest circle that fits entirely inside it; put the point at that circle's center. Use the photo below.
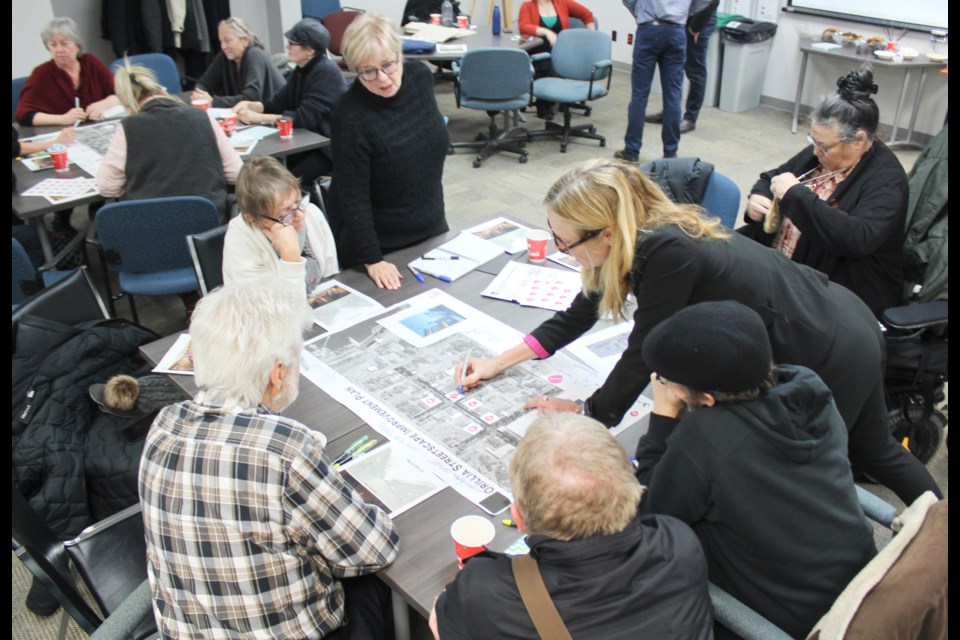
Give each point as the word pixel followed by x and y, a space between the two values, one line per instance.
pixel 40 601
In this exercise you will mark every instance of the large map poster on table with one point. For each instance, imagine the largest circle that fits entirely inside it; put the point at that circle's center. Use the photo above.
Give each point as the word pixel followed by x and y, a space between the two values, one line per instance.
pixel 395 371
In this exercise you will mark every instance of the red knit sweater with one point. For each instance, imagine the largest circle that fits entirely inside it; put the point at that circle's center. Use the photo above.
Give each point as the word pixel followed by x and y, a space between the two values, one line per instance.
pixel 49 88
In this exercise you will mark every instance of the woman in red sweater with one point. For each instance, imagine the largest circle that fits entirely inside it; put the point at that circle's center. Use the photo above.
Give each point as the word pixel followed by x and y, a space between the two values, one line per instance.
pixel 73 86
pixel 545 19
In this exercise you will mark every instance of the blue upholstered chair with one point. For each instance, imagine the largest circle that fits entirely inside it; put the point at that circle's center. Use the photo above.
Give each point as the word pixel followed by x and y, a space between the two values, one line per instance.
pixel 580 62
pixel 15 93
pixel 162 65
pixel 497 81
pixel 144 242
pixel 722 199
pixel 318 9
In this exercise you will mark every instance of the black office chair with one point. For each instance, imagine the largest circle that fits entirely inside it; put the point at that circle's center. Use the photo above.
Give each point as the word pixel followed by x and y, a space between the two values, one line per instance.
pixel 110 557
pixel 206 250
pixel 70 301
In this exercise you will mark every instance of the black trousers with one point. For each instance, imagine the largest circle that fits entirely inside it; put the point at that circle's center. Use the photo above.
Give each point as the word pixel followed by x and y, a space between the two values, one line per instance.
pixel 369 610
pixel 853 371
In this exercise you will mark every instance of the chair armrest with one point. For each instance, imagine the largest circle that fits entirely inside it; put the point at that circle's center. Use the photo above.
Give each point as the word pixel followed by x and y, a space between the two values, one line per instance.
pixel 741 619
pixel 132 611
pixel 916 316
pixel 66 251
pixel 537 57
pixel 876 508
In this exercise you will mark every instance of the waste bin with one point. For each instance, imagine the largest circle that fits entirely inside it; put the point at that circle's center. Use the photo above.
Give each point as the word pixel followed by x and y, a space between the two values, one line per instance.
pixel 746 48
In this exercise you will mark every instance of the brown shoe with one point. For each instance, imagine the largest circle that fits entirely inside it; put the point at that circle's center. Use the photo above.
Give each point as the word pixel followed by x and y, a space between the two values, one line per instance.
pixel 621 154
pixel 687 126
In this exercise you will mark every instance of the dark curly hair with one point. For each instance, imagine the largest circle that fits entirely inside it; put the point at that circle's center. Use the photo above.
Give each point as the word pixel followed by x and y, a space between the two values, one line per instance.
pixel 851 108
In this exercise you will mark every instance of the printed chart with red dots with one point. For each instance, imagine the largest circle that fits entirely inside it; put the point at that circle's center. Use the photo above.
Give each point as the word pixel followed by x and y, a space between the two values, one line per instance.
pixel 533 286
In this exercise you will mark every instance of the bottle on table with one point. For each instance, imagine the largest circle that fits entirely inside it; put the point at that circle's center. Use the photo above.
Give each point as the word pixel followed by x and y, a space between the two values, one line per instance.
pixel 446 14
pixel 496 19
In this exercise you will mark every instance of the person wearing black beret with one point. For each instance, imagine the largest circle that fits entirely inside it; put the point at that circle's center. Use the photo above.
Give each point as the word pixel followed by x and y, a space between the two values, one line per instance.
pixel 632 240
pixel 753 457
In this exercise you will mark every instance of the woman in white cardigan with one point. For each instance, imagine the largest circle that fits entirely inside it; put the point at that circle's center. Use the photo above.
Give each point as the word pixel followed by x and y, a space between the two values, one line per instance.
pixel 278 231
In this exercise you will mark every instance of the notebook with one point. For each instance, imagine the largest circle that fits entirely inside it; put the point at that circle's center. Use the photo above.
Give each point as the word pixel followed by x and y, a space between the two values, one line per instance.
pixel 457 257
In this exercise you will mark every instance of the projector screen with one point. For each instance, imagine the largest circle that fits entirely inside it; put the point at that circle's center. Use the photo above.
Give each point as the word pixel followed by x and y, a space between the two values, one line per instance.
pixel 917 15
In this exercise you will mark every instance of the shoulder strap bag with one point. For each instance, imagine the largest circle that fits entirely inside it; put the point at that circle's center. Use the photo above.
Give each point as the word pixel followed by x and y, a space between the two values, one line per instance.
pixel 537 599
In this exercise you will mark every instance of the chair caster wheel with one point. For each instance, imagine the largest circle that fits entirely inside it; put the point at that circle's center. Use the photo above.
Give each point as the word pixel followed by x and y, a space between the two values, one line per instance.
pixel 480 138
pixel 476 164
pixel 563 148
pixel 603 143
pixel 450 151
pixel 523 159
pixel 587 113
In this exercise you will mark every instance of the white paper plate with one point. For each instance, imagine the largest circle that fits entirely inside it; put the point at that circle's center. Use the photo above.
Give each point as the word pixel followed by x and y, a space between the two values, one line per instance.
pixel 883 54
pixel 936 57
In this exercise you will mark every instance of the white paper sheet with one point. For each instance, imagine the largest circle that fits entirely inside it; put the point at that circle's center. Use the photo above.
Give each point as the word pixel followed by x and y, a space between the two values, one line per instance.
pixel 335 305
pixel 533 286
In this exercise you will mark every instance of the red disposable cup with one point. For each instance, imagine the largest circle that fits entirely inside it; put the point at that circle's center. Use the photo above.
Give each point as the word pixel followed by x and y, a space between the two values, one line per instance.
pixel 228 124
pixel 200 104
pixel 60 161
pixel 463 21
pixel 537 241
pixel 434 18
pixel 470 534
pixel 891 46
pixel 285 125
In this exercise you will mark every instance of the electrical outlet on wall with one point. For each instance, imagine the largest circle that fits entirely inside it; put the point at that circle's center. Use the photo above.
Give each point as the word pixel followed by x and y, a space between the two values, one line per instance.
pixel 613 35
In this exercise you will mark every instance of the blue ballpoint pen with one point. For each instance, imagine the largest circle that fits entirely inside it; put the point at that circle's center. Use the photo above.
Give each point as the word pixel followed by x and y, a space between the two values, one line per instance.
pixel 416 274
pixel 463 372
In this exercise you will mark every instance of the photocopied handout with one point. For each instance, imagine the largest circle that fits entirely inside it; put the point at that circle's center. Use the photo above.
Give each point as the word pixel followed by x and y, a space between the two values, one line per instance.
pixel 601 350
pixel 178 359
pixel 58 190
pixel 533 286
pixel 565 259
pixel 335 305
pixel 506 233
pixel 390 478
pixel 457 257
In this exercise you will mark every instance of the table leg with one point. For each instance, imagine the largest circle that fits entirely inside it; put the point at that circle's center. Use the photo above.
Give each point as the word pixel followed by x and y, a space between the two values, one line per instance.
pixel 796 103
pixel 401 616
pixel 908 141
pixel 896 116
pixel 44 237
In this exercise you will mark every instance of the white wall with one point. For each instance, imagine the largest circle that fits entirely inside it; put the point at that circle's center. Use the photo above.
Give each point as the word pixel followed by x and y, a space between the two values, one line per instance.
pixel 29 16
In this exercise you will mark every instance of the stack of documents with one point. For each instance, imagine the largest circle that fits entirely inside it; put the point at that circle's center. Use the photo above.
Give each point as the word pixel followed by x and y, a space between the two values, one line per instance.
pixel 457 257
pixel 434 32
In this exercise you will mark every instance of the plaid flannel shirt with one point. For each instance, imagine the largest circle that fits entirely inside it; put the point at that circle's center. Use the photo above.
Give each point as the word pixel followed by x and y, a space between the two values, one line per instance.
pixel 247 526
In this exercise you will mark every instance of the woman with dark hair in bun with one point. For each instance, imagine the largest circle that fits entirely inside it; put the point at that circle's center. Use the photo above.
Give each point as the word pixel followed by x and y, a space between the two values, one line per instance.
pixel 839 205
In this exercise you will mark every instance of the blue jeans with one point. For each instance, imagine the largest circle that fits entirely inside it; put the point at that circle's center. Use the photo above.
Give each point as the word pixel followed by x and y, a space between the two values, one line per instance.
pixel 666 47
pixel 696 70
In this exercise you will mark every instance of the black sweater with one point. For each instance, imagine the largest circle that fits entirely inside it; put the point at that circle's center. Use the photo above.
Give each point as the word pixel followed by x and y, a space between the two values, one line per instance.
pixel 388 155
pixel 309 95
pixel 856 236
pixel 804 314
pixel 767 488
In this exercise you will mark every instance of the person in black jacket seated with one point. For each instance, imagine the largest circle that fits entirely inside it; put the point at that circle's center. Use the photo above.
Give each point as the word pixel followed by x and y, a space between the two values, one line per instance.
pixel 757 465
pixel 630 238
pixel 842 201
pixel 611 573
pixel 308 98
pixel 390 143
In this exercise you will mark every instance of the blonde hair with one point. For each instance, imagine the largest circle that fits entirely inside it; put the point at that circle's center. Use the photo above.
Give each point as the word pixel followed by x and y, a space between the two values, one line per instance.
pixel 241 29
pixel 135 83
pixel 600 194
pixel 571 479
pixel 261 179
pixel 369 35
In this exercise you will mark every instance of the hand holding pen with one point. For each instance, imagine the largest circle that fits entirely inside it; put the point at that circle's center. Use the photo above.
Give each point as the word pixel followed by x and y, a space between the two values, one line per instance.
pixel 462 372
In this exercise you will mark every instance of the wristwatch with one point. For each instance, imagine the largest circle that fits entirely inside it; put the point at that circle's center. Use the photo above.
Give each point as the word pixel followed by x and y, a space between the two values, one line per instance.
pixel 581 410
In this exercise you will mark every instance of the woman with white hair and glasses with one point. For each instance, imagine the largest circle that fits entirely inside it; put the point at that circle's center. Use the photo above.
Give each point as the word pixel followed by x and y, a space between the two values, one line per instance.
pixel 73 86
pixel 241 71
pixel 841 203
pixel 390 143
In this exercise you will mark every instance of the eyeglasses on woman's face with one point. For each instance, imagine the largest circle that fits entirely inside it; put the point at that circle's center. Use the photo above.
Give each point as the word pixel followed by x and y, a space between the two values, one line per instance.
pixel 563 247
pixel 822 149
pixel 288 218
pixel 369 74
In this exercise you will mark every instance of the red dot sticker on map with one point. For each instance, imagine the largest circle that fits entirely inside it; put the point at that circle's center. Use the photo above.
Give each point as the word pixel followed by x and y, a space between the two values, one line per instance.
pixel 454 396
pixel 473 427
pixel 556 378
pixel 489 418
pixel 634 413
pixel 430 400
pixel 473 403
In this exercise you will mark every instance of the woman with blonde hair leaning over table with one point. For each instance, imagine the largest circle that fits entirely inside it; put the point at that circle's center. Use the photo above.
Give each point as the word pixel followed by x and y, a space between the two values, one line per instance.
pixel 390 143
pixel 241 71
pixel 165 147
pixel 630 238
pixel 278 232
pixel 73 86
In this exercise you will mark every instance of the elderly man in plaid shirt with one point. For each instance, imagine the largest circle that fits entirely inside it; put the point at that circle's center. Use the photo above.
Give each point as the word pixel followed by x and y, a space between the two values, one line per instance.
pixel 250 532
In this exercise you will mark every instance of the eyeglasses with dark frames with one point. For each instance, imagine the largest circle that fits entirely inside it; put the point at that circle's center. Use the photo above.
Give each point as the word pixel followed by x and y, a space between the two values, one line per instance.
pixel 288 218
pixel 370 73
pixel 563 247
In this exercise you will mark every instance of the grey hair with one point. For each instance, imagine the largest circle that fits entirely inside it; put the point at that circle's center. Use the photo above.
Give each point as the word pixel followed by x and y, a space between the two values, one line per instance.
pixel 65 26
pixel 242 30
pixel 368 35
pixel 239 332
pixel 850 109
